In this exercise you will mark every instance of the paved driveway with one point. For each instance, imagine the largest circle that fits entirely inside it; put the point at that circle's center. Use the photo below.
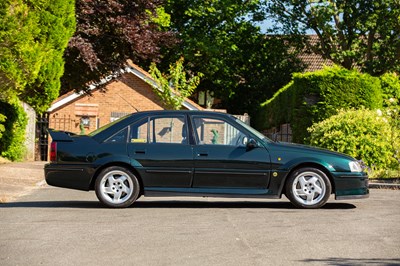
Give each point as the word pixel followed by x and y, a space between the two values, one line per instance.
pixel 56 226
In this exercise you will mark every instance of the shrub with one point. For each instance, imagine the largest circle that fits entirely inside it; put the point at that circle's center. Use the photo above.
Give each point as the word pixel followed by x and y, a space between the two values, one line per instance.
pixel 390 84
pixel 12 141
pixel 363 134
pixel 2 120
pixel 315 96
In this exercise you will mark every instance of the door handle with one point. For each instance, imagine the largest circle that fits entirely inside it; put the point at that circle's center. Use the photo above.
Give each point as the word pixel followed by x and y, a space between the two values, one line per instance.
pixel 202 154
pixel 140 152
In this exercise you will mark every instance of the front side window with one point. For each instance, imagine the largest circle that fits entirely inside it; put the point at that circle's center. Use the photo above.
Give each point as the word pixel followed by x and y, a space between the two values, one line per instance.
pixel 211 131
pixel 160 130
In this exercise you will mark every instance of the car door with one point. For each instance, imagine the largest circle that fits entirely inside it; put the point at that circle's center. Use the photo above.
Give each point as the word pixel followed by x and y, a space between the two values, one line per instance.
pixel 222 159
pixel 160 147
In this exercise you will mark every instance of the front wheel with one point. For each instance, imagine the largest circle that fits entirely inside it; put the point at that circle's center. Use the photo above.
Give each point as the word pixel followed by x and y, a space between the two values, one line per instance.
pixel 117 187
pixel 308 188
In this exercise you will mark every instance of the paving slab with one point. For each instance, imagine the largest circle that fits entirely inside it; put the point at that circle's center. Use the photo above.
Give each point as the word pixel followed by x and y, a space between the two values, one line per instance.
pixel 18 179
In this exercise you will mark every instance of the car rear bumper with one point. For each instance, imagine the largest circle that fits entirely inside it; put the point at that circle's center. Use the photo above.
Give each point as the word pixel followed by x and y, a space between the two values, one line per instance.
pixel 68 176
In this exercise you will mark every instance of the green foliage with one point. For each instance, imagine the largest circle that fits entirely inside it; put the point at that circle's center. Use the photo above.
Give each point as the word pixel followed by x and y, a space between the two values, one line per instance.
pixel 20 53
pixel 161 18
pixel 222 39
pixel 313 97
pixel 363 34
pixel 2 120
pixel 33 36
pixel 390 86
pixel 363 134
pixel 11 142
pixel 56 20
pixel 173 88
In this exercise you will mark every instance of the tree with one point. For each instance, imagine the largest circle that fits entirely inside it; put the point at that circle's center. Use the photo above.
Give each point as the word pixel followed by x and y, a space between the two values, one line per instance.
pixel 173 88
pixel 57 25
pixel 108 33
pixel 20 54
pixel 33 36
pixel 352 33
pixel 221 39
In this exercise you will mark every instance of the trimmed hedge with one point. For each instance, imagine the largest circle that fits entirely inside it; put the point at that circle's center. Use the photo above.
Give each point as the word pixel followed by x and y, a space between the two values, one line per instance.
pixel 12 141
pixel 314 96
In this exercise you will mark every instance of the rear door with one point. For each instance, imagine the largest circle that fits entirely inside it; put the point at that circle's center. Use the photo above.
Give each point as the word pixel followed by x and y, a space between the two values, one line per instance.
pixel 160 146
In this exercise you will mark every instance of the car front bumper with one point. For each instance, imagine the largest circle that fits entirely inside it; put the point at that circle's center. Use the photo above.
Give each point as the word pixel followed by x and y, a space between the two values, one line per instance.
pixel 350 185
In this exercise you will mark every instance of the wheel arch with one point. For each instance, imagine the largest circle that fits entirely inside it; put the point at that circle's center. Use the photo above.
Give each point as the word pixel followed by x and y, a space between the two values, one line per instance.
pixel 304 165
pixel 121 164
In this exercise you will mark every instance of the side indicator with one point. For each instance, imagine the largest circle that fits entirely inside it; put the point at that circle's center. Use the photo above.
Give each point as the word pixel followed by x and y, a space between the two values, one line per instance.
pixel 274 174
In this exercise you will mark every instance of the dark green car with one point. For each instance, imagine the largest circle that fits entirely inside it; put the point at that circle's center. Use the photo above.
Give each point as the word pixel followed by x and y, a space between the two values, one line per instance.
pixel 192 153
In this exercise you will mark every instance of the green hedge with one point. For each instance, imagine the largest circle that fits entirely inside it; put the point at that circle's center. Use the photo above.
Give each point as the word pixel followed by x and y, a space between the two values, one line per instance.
pixel 363 134
pixel 314 96
pixel 12 141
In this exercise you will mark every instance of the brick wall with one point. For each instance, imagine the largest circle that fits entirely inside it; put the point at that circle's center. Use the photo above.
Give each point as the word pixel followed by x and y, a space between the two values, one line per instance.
pixel 128 94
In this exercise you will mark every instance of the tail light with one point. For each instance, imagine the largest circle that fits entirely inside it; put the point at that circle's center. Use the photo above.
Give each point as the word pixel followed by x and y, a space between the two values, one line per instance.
pixel 53 151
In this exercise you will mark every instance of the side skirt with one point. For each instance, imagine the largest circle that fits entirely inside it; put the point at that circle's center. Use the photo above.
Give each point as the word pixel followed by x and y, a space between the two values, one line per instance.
pixel 209 192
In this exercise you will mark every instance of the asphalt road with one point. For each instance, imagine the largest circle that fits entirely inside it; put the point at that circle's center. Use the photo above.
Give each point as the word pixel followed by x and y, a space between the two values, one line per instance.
pixel 56 226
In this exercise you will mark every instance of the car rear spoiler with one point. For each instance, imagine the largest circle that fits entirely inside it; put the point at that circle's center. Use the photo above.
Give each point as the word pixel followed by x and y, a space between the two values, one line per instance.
pixel 58 135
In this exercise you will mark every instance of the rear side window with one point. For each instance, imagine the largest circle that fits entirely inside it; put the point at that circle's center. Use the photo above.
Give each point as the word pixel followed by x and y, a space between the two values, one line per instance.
pixel 119 137
pixel 160 130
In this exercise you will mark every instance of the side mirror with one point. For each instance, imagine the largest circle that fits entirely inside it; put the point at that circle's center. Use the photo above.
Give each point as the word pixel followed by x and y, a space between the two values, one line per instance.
pixel 251 144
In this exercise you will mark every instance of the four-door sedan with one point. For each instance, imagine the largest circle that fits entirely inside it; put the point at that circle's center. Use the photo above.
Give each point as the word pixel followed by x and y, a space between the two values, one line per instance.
pixel 193 153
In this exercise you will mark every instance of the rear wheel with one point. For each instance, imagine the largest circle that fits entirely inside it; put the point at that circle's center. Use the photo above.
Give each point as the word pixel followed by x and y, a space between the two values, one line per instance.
pixel 117 187
pixel 308 188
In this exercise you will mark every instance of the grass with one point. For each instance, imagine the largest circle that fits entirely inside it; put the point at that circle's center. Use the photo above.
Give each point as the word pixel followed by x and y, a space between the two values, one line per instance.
pixel 384 174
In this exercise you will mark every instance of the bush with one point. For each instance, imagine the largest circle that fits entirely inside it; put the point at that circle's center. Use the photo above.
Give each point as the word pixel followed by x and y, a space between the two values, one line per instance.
pixel 363 134
pixel 315 96
pixel 2 120
pixel 390 84
pixel 12 141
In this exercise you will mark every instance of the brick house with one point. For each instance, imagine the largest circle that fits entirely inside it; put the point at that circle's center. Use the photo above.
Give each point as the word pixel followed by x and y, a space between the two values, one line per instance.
pixel 129 93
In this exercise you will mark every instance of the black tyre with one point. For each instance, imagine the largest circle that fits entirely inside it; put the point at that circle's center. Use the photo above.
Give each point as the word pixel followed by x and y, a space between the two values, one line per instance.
pixel 308 188
pixel 117 187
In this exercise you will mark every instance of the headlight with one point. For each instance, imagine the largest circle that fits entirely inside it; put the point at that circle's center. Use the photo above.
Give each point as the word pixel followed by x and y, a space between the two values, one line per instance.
pixel 355 166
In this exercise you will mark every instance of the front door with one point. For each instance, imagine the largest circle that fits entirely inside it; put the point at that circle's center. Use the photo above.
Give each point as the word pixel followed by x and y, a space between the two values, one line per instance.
pixel 221 159
pixel 160 146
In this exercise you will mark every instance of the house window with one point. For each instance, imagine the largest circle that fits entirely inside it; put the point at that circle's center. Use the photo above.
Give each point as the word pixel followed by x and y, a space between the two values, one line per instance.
pixel 117 115
pixel 85 121
pixel 205 98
